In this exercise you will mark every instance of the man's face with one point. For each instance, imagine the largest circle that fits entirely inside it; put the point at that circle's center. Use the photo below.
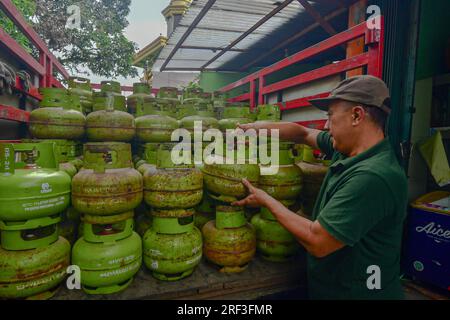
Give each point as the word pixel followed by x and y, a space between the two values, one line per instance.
pixel 340 126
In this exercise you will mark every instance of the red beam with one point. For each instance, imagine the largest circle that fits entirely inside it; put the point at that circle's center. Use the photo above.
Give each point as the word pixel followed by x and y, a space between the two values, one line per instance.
pixel 239 83
pixel 334 41
pixel 253 102
pixel 301 103
pixel 318 48
pixel 18 51
pixel 262 83
pixel 11 11
pixel 375 39
pixel 55 83
pixel 295 37
pixel 14 114
pixel 329 70
pixel 32 92
pixel 244 97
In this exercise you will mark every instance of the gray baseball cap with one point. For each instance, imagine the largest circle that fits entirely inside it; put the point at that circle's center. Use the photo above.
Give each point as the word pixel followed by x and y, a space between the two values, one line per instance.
pixel 367 90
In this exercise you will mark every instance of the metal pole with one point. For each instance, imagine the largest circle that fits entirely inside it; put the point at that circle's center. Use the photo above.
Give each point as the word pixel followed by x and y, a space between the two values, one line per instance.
pixel 248 32
pixel 197 20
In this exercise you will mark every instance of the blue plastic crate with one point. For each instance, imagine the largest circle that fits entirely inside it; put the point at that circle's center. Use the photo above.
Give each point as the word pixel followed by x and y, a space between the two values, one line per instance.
pixel 427 248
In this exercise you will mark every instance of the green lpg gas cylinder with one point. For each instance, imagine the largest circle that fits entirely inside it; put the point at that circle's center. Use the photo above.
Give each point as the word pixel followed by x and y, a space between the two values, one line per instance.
pixel 102 100
pixel 109 254
pixel 234 114
pixel 28 273
pixel 110 86
pixel 220 102
pixel 285 180
pixel 150 158
pixel 192 93
pixel 70 222
pixel 143 222
pixel 108 184
pixel 82 87
pixel 68 168
pixel 30 185
pixel 141 91
pixel 313 176
pixel 224 181
pixel 170 106
pixel 155 128
pixel 229 241
pixel 149 107
pixel 172 248
pixel 65 150
pixel 170 186
pixel 110 125
pixel 30 234
pixel 274 242
pixel 78 163
pixel 59 116
pixel 268 112
pixel 187 108
pixel 156 106
pixel 204 115
pixel 168 92
pixel 205 211
pixel 109 89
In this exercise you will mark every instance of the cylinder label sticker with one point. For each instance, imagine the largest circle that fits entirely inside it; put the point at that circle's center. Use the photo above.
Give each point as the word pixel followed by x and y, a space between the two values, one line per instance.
pixel 43 204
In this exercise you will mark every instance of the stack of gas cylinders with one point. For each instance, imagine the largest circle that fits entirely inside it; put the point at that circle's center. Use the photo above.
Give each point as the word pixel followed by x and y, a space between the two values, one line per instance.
pixel 105 182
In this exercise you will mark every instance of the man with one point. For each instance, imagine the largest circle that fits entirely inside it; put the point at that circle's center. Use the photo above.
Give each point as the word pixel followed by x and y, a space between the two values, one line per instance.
pixel 354 239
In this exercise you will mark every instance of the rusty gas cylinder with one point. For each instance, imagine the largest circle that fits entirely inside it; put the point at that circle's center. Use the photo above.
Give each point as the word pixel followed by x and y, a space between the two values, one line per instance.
pixel 170 186
pixel 110 124
pixel 229 241
pixel 108 184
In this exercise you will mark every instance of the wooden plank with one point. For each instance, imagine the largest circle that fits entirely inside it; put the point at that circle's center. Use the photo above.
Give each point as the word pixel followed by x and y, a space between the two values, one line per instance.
pixel 206 283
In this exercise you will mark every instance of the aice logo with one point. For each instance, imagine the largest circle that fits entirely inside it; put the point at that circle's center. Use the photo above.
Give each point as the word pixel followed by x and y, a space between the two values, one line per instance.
pixel 436 231
pixel 46 188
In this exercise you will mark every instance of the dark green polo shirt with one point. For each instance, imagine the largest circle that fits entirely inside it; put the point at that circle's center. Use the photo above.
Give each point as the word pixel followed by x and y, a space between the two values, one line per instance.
pixel 363 204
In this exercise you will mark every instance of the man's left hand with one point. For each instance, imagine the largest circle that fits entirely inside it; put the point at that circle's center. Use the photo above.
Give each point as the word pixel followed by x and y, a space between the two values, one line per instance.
pixel 256 198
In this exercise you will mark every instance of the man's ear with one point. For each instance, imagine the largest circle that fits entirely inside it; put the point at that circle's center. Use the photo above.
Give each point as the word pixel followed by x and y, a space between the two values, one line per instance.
pixel 358 114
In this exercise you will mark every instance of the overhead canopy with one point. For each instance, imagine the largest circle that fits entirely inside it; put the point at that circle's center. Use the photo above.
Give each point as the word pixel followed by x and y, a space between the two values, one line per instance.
pixel 213 33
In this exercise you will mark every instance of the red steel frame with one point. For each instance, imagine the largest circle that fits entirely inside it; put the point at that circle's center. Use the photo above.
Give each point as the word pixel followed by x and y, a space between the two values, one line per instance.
pixel 43 68
pixel 47 61
pixel 373 59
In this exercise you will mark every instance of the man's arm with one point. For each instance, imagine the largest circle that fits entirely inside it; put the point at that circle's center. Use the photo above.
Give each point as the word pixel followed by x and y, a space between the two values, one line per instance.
pixel 288 131
pixel 311 235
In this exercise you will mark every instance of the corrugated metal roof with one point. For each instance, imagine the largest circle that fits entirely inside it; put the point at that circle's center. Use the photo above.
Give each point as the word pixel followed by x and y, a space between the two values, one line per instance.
pixel 223 23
